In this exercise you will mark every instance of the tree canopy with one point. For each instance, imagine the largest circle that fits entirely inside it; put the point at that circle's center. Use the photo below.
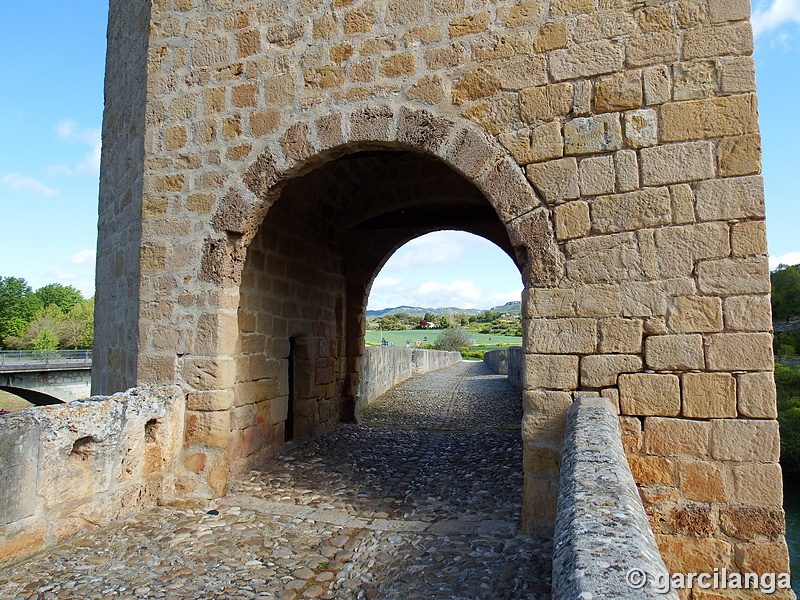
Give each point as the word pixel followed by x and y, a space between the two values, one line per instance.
pixel 785 292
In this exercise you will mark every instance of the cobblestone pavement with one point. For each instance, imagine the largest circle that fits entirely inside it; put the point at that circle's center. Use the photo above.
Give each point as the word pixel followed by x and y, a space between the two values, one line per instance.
pixel 419 501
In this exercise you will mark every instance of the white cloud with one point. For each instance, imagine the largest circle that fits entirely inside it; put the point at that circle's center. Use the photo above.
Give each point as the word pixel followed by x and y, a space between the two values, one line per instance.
pixel 778 13
pixel 84 258
pixel 432 249
pixel 17 182
pixel 72 132
pixel 790 258
pixel 498 299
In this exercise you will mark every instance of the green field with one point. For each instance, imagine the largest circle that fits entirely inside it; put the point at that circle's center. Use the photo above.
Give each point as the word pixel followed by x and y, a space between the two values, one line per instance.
pixel 12 403
pixel 399 337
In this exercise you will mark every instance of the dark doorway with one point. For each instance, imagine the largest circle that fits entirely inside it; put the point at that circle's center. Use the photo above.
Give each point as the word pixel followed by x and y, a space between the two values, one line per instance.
pixel 288 427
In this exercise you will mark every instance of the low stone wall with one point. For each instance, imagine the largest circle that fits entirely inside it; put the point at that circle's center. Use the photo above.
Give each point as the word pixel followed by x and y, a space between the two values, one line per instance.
pixel 603 540
pixel 383 367
pixel 507 361
pixel 70 467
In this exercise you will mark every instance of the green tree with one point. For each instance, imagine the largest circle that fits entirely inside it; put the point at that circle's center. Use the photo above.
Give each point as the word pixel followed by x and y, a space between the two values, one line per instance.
pixel 46 340
pixel 452 339
pixel 785 292
pixel 64 297
pixel 18 305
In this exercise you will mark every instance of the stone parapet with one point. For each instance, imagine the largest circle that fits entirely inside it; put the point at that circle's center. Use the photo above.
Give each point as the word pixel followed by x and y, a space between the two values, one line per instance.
pixel 507 361
pixel 384 367
pixel 602 531
pixel 71 467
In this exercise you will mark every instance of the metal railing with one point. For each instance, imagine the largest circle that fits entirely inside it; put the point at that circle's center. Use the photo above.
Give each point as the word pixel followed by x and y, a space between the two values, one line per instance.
pixel 10 359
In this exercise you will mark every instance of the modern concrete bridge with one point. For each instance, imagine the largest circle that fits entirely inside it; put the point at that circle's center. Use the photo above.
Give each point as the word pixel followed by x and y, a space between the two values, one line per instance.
pixel 46 377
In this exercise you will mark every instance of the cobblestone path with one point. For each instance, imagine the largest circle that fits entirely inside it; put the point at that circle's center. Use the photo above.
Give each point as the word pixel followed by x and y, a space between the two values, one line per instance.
pixel 419 501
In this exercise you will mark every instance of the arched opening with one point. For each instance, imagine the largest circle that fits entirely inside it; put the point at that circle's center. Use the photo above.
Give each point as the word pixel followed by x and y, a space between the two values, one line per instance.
pixel 32 397
pixel 306 281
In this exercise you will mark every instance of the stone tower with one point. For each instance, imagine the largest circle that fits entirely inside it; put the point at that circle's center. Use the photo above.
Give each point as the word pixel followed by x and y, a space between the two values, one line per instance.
pixel 263 159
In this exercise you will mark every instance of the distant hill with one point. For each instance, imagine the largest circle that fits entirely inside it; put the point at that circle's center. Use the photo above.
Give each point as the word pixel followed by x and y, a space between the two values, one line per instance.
pixel 417 311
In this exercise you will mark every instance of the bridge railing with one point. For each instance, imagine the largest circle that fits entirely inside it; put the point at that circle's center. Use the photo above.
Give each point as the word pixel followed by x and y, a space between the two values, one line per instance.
pixel 24 358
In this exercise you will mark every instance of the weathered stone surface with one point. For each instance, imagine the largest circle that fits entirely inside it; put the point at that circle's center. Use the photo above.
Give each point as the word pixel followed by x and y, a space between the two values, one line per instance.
pixel 597 176
pixel 749 238
pixel 572 220
pixel 695 314
pixel 756 395
pixel 585 60
pixel 602 370
pixel 674 352
pixel 739 352
pixel 676 163
pixel 708 395
pixel 745 440
pixel 657 85
pixel 652 49
pixel 544 302
pixel 699 119
pixel 757 484
pixel 588 135
pixel 603 258
pixel 652 469
pixel 618 335
pixel 641 128
pixel 680 248
pixel 535 144
pixel 732 198
pixel 633 210
pixel 553 371
pixel 627 165
pixel 689 554
pixel 675 437
pixel 545 103
pixel 745 522
pixel 648 394
pixel 561 336
pixel 598 301
pixel 720 40
pixel 702 481
pixel 734 276
pixel 555 180
pixel 694 80
pixel 740 155
pixel 620 91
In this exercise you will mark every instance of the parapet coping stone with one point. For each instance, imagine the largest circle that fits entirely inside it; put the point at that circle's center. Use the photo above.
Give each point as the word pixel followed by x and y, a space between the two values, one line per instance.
pixel 602 531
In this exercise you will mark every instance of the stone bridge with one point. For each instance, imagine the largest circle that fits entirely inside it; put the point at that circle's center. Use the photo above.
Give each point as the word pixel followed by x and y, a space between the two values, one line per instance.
pixel 47 382
pixel 262 160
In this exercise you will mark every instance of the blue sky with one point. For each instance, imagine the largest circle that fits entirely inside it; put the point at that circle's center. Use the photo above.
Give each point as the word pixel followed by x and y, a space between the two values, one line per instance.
pixel 50 117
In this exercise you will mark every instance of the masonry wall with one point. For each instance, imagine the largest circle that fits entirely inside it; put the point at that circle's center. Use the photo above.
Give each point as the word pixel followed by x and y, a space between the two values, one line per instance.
pixel 617 146
pixel 72 467
pixel 383 367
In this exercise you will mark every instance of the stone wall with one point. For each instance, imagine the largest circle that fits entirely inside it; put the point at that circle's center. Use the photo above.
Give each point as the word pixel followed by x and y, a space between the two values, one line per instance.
pixel 65 385
pixel 507 361
pixel 602 530
pixel 383 367
pixel 497 360
pixel 71 467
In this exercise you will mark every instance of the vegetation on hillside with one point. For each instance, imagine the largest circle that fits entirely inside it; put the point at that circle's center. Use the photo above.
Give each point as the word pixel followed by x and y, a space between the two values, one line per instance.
pixel 787 380
pixel 53 317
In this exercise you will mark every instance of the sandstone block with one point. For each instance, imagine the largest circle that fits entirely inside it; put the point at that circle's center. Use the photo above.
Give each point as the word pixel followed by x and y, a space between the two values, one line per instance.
pixel 619 91
pixel 470 24
pixel 590 135
pixel 738 75
pixel 598 301
pixel 632 210
pixel 401 12
pixel 545 415
pixel 675 437
pixel 571 7
pixel 734 276
pixel 207 428
pixel 648 394
pixel 586 60
pixel 550 36
pixel 553 371
pixel 602 370
pixel 597 175
pixel 702 481
pixel 521 72
pixel 480 83
pixel 694 80
pixel 428 89
pixel 731 198
pixel 657 84
pixel 618 335
pixel 510 193
pixel 652 469
pixel 561 336
pixel 745 522
pixel 468 152
pixel 645 299
pixel 403 65
pixel 757 484
pixel 359 20
pixel 555 180
pixel 571 221
pixel 689 554
pixel 605 258
pixel 545 103
pixel 497 115
pixel 739 155
pixel 682 204
pixel 695 314
pixel 535 144
pixel 763 557
pixel 719 40
pixel 210 373
pixel 674 352
pixel 676 163
pixel 631 428
pixel 713 117
pixel 749 238
pixel 519 15
pixel 745 440
pixel 728 10
pixel 679 248
pixel 279 90
pixel 708 395
pixel 748 313
pixel 548 302
pixel 652 49
pixel 627 166
pixel 641 128
pixel 756 398
pixel 605 25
